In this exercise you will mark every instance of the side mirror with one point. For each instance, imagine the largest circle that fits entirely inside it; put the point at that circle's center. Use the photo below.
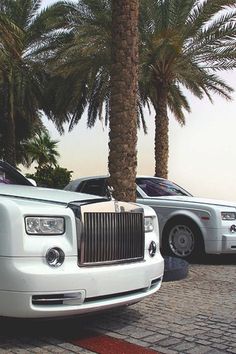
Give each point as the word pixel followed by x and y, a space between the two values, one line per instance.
pixel 32 181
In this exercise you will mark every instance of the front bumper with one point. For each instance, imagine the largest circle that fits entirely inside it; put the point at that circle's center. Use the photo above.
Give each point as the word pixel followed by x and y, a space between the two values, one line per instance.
pixel 30 288
pixel 220 242
pixel 228 244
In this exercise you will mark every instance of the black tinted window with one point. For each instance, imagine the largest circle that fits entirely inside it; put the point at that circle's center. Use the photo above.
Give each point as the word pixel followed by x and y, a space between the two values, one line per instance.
pixel 156 187
pixel 9 175
pixel 93 186
pixel 7 178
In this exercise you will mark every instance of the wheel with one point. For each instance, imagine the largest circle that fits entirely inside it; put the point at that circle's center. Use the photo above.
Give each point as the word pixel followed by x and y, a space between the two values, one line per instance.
pixel 182 239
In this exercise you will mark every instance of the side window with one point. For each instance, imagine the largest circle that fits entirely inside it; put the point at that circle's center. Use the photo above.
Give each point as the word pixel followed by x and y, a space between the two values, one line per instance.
pixel 93 186
pixel 6 179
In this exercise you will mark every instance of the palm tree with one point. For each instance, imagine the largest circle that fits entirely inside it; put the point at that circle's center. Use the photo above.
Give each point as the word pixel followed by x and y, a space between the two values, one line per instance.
pixel 81 64
pixel 88 75
pixel 42 150
pixel 26 133
pixel 122 161
pixel 9 43
pixel 21 77
pixel 183 44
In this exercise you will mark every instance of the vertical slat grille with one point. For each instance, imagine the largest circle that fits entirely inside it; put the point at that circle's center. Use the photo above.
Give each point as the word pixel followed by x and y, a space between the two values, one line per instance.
pixel 112 238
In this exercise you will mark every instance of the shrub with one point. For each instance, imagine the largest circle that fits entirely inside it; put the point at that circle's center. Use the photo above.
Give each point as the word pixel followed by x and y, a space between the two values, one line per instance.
pixel 51 177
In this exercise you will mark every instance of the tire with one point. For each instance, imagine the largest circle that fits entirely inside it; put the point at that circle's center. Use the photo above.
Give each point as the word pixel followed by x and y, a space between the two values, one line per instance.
pixel 182 239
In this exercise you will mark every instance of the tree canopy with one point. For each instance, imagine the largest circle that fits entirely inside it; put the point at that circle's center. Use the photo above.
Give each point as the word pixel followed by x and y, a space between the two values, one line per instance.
pixel 184 45
pixel 21 77
pixel 60 61
pixel 42 150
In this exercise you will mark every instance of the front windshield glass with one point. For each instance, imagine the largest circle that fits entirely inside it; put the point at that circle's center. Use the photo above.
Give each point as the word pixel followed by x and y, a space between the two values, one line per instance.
pixel 5 178
pixel 155 187
pixel 9 175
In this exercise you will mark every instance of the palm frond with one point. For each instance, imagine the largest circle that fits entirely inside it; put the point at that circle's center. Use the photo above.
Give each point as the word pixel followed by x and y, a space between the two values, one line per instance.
pixel 177 102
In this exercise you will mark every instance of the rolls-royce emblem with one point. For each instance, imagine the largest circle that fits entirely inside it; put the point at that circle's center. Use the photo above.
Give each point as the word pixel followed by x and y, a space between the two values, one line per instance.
pixel 117 208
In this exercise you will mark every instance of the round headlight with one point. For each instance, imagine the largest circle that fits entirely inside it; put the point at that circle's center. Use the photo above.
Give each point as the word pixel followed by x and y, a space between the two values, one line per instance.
pixel 152 248
pixel 55 257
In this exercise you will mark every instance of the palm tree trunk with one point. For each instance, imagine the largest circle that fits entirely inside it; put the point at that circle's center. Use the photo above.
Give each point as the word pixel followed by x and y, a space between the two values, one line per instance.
pixel 9 123
pixel 161 134
pixel 122 160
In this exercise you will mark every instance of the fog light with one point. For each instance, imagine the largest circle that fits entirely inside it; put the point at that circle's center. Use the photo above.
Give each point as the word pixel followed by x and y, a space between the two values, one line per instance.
pixel 55 257
pixel 152 249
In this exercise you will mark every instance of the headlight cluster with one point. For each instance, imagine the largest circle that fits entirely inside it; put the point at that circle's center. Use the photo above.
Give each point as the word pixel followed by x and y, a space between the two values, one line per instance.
pixel 228 215
pixel 37 225
pixel 148 224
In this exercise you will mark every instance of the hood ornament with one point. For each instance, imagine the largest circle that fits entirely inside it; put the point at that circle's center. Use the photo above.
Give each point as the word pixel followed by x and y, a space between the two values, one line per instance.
pixel 110 190
pixel 118 208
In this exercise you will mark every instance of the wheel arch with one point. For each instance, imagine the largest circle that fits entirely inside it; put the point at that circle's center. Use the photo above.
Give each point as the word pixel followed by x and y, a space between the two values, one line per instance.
pixel 186 216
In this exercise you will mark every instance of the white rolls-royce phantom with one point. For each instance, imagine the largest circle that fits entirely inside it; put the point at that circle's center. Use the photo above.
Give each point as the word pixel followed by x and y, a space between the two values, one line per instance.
pixel 64 253
pixel 189 226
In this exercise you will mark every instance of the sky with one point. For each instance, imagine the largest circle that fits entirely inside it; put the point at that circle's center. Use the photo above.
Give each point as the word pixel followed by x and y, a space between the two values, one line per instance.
pixel 202 154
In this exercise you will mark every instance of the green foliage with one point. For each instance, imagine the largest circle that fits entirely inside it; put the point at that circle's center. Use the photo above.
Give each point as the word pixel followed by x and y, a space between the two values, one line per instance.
pixel 184 45
pixel 22 78
pixel 51 177
pixel 80 64
pixel 59 60
pixel 41 149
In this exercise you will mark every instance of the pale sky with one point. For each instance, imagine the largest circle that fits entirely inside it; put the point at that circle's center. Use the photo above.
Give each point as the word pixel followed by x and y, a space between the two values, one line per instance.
pixel 202 153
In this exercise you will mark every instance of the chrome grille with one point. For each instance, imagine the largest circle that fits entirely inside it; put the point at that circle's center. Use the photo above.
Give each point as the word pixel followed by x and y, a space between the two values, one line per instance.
pixel 111 238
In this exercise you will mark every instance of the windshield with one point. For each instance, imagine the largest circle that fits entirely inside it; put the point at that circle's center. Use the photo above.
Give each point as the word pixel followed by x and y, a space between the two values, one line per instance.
pixel 155 187
pixel 9 175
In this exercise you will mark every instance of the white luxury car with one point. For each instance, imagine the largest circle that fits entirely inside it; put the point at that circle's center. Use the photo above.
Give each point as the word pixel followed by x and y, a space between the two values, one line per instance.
pixel 64 253
pixel 188 225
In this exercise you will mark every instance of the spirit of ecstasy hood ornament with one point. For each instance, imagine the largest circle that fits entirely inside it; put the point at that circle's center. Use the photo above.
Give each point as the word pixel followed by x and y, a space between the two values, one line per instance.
pixel 118 208
pixel 110 190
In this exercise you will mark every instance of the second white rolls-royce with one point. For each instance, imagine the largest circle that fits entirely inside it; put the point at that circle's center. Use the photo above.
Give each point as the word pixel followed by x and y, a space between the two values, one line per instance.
pixel 188 225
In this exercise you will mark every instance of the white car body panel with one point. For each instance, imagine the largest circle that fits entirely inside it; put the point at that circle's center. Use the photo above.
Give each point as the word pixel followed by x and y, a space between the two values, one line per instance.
pixel 218 238
pixel 28 284
pixel 205 213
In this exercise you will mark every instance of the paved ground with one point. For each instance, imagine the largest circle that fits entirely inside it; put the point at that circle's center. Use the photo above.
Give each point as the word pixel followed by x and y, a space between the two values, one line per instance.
pixel 192 316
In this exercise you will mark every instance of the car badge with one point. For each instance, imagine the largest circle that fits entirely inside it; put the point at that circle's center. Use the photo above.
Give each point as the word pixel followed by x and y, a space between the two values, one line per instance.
pixel 117 208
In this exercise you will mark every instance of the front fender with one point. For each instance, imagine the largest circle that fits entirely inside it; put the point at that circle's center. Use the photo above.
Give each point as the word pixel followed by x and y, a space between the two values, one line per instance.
pixel 201 218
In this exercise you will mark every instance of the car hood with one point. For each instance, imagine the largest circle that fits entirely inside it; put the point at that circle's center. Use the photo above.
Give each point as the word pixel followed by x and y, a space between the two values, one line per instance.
pixel 44 194
pixel 197 200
